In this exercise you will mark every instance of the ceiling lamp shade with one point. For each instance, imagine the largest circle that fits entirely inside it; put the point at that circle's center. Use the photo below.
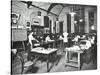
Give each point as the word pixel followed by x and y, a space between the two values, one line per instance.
pixel 75 22
pixel 72 13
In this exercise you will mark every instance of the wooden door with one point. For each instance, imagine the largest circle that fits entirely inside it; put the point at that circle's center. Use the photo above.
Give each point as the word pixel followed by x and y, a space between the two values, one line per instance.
pixel 46 21
pixel 61 27
pixel 68 23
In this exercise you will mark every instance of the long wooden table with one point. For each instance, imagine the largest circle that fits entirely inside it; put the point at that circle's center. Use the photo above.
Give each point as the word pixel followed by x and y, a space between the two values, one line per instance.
pixel 53 42
pixel 47 53
pixel 70 62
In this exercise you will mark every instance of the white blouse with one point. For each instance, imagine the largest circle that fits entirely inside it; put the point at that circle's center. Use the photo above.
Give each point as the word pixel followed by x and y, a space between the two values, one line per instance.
pixel 65 39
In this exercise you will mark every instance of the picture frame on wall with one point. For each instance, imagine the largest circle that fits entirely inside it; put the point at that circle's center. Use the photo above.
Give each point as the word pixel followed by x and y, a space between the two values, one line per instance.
pixel 27 23
pixel 14 18
pixel 35 21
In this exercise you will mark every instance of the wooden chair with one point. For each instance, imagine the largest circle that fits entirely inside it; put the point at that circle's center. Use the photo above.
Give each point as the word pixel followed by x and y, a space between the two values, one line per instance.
pixel 26 64
pixel 16 65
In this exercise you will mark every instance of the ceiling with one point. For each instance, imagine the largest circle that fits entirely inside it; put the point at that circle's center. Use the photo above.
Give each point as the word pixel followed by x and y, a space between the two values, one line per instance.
pixel 54 8
pixel 42 5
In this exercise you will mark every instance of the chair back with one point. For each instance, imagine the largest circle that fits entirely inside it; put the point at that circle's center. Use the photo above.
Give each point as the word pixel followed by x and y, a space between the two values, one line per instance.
pixel 17 66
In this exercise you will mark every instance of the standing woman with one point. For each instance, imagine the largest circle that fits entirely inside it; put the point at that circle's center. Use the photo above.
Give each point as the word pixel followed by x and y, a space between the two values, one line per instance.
pixel 65 39
pixel 31 38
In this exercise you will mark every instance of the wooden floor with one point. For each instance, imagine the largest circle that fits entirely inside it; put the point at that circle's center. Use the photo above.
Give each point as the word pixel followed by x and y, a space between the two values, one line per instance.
pixel 41 66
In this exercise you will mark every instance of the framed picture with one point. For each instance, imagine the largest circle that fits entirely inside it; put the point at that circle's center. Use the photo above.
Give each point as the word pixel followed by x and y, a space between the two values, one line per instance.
pixel 28 25
pixel 35 21
pixel 14 18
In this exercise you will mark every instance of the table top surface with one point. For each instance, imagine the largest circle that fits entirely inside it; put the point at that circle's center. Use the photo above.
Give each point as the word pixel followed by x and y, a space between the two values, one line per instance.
pixel 75 49
pixel 43 51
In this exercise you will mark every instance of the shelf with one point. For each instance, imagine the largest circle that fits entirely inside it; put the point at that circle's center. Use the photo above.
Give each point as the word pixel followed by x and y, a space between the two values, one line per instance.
pixel 72 64
pixel 73 61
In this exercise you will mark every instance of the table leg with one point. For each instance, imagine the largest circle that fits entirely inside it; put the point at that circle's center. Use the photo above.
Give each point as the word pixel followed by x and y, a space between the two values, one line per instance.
pixel 60 44
pixel 53 44
pixel 66 57
pixel 49 45
pixel 57 60
pixel 47 65
pixel 69 56
pixel 23 45
pixel 49 56
pixel 78 61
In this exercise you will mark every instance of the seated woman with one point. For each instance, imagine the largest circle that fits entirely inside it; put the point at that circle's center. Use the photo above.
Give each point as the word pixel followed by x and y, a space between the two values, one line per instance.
pixel 83 37
pixel 41 38
pixel 88 44
pixel 92 40
pixel 48 38
pixel 88 51
pixel 85 44
pixel 61 37
pixel 76 39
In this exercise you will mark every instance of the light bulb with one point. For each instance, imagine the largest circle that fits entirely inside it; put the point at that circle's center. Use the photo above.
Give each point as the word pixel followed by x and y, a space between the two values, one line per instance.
pixel 81 20
pixel 75 22
pixel 92 27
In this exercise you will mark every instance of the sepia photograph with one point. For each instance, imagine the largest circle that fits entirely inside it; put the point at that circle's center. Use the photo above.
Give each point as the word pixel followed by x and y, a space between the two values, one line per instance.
pixel 51 37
